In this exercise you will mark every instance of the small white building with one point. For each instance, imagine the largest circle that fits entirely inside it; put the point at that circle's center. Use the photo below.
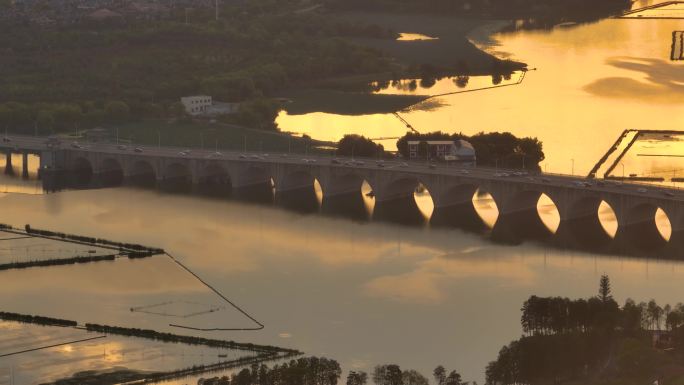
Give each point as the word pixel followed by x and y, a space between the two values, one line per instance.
pixel 196 105
pixel 459 151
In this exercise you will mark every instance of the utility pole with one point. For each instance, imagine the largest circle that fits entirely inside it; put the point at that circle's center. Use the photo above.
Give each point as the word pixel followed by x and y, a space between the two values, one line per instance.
pixel 217 11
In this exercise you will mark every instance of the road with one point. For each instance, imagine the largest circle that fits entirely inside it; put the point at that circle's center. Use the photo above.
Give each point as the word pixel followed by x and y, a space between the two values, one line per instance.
pixel 38 144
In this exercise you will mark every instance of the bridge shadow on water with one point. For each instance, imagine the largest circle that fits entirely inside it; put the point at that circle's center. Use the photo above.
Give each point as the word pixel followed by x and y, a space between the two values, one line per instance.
pixel 582 233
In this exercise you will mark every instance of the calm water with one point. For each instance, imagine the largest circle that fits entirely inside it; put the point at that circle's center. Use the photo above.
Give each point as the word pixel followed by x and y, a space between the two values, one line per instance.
pixel 362 293
pixel 373 293
pixel 591 83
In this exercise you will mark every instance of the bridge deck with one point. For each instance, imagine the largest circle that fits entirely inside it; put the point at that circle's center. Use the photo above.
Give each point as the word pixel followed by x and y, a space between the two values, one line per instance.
pixel 629 188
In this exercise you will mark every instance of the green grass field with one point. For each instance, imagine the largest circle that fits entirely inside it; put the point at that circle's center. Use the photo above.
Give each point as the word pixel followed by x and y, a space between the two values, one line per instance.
pixel 216 135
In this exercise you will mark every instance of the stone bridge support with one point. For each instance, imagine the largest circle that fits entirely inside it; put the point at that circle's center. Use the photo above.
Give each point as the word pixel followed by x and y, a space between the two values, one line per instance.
pixel 394 198
pixel 295 187
pixel 453 203
pixel 9 169
pixel 518 218
pixel 342 194
pixel 251 182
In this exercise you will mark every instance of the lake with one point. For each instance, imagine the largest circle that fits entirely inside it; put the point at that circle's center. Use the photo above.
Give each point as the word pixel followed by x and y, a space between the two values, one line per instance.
pixel 368 293
pixel 591 82
pixel 362 293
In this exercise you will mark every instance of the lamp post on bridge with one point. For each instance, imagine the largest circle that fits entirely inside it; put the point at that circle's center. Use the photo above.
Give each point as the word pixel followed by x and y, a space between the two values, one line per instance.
pixel 573 166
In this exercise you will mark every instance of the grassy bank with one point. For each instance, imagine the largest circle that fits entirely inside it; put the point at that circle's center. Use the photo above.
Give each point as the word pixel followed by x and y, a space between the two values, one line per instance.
pixel 213 135
pixel 347 103
pixel 450 53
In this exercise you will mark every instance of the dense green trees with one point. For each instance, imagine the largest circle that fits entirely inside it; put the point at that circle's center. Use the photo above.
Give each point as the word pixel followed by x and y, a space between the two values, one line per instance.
pixel 358 145
pixel 357 378
pixel 569 339
pixel 501 149
pixel 307 370
pixel 83 75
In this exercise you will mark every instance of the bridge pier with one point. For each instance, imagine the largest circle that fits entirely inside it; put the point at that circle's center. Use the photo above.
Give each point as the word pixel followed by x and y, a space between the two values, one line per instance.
pixel 518 218
pixel 24 165
pixel 9 170
pixel 454 208
pixel 296 191
pixel 343 196
pixel 399 207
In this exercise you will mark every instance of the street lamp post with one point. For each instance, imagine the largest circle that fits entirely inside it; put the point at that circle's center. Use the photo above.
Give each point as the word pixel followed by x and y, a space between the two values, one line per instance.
pixel 573 166
pixel 158 139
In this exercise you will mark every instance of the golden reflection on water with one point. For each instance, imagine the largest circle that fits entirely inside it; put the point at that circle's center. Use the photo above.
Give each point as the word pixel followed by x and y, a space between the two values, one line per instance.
pixel 608 219
pixel 424 201
pixel 342 287
pixel 548 212
pixel 593 81
pixel 486 208
pixel 406 36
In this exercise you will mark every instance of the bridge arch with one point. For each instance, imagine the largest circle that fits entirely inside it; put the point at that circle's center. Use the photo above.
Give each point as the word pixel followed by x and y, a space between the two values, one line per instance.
pixel 589 222
pixel 253 184
pixel 455 206
pixel 299 190
pixel 177 177
pixel 348 194
pixel 215 180
pixel 81 172
pixel 404 200
pixel 520 217
pixel 142 173
pixel 111 173
pixel 638 228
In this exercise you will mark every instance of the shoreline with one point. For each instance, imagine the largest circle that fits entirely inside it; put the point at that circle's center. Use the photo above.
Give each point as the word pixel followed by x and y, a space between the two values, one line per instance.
pixel 482 38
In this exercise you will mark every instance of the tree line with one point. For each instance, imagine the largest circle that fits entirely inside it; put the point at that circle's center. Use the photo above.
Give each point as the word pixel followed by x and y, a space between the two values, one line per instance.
pixel 322 371
pixel 502 149
pixel 571 339
pixel 302 371
pixel 81 76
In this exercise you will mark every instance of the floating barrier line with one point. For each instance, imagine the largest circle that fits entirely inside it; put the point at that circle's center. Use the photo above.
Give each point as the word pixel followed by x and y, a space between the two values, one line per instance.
pixel 236 307
pixel 52 346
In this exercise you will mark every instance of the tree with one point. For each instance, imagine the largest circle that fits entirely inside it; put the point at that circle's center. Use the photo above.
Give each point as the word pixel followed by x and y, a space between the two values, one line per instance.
pixel 45 120
pixel 357 378
pixel 412 377
pixel 117 112
pixel 439 374
pixel 387 375
pixel 454 378
pixel 357 145
pixel 604 289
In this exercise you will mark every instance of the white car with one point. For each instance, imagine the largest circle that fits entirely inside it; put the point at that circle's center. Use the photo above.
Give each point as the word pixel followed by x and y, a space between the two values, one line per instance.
pixel 404 165
pixel 642 190
pixel 138 149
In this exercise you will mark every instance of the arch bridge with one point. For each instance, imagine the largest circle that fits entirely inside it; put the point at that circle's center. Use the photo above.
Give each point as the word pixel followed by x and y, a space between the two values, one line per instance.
pixel 335 185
